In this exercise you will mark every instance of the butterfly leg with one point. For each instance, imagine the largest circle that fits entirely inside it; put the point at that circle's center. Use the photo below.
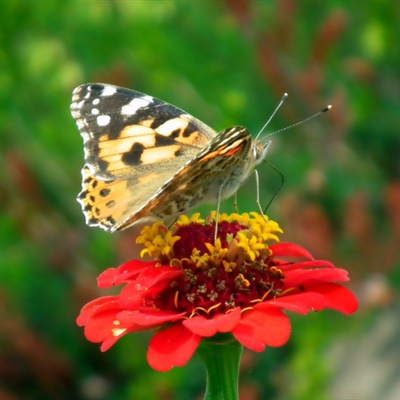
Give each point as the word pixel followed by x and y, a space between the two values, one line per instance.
pixel 172 222
pixel 279 187
pixel 235 204
pixel 217 212
pixel 255 172
pixel 258 195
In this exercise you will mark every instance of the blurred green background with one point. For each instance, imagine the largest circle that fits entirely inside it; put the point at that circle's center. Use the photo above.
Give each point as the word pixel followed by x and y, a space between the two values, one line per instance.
pixel 227 63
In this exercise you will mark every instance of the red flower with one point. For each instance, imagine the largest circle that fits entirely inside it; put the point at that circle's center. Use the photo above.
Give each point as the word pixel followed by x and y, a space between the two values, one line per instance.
pixel 195 289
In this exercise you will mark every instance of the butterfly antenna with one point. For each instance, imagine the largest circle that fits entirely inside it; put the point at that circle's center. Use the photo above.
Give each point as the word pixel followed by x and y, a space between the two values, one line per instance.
pixel 266 139
pixel 327 108
pixel 284 97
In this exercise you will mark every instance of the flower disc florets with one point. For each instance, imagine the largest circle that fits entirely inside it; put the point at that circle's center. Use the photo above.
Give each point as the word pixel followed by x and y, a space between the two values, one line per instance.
pixel 235 270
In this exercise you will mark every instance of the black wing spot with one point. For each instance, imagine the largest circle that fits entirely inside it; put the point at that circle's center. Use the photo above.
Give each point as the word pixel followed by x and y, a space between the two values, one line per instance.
pixel 83 194
pixel 110 220
pixel 162 140
pixel 96 88
pixel 104 192
pixel 189 130
pixel 175 134
pixel 132 157
pixel 178 152
pixel 110 203
pixel 158 119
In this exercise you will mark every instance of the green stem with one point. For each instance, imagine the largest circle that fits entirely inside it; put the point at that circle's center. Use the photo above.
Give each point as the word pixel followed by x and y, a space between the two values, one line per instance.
pixel 221 355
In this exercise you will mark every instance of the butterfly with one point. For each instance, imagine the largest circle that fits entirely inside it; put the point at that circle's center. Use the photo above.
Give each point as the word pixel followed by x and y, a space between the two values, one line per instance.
pixel 148 160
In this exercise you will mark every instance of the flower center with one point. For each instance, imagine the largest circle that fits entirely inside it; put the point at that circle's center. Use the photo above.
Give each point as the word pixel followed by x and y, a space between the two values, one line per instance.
pixel 236 270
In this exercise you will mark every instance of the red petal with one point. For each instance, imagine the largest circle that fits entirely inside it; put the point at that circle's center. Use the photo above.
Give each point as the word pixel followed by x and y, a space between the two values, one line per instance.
pixel 207 327
pixel 289 250
pixel 314 276
pixel 123 274
pixel 108 342
pixel 172 347
pixel 148 283
pixel 102 303
pixel 106 327
pixel 259 328
pixel 148 317
pixel 98 317
pixel 300 303
pixel 338 297
pixel 101 325
pixel 306 264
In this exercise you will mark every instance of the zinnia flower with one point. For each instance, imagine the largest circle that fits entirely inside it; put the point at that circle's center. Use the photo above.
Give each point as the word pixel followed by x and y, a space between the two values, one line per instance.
pixel 197 287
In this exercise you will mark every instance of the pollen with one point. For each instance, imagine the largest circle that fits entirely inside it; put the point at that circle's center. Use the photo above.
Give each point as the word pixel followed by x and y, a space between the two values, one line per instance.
pixel 118 331
pixel 241 282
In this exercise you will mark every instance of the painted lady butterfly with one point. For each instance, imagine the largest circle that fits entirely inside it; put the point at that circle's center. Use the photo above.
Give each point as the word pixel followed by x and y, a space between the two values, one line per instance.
pixel 146 159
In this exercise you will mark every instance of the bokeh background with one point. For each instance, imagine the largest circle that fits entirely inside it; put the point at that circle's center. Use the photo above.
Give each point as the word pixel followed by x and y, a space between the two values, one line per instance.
pixel 228 63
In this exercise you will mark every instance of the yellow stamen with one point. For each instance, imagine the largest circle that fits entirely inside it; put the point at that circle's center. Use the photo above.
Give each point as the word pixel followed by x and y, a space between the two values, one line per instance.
pixel 176 299
pixel 241 282
pixel 246 246
pixel 212 307
pixel 184 220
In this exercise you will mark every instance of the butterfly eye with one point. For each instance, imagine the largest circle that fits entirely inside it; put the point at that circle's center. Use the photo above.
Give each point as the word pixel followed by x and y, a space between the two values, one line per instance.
pixel 260 151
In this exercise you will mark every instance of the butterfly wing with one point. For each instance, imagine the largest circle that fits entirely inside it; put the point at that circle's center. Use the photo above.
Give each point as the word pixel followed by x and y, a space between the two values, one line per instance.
pixel 133 143
pixel 214 173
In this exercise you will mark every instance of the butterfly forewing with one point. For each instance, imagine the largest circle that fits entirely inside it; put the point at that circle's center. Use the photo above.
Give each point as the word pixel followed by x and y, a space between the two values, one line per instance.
pixel 126 132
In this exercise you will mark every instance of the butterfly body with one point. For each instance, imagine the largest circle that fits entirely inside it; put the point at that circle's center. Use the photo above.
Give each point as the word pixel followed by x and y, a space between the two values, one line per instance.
pixel 146 159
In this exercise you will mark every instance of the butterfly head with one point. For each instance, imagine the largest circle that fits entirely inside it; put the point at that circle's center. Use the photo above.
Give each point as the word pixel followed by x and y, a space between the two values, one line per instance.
pixel 260 150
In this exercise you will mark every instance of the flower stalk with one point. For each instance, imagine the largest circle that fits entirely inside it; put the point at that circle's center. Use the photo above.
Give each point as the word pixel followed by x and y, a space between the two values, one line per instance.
pixel 221 356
